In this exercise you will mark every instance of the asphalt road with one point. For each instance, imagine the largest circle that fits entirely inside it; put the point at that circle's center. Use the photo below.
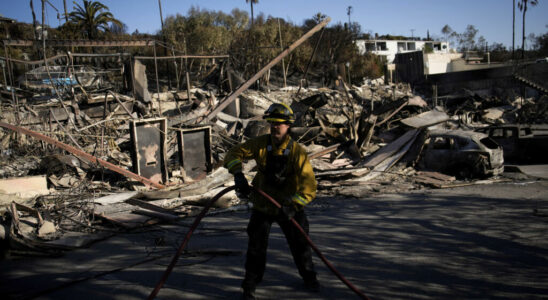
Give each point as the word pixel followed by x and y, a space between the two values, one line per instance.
pixel 474 242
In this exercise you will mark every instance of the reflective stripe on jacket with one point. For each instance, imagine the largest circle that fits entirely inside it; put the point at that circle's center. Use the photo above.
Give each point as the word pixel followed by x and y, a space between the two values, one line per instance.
pixel 300 185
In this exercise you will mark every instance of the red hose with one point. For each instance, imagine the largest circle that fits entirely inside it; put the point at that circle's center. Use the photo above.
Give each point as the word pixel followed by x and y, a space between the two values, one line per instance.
pixel 320 255
pixel 202 214
pixel 185 241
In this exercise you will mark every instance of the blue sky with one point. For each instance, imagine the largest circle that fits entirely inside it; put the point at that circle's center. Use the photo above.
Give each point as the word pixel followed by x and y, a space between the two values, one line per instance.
pixel 493 18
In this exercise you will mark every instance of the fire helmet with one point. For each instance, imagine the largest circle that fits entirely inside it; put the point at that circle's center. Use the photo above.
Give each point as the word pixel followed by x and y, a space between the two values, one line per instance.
pixel 279 112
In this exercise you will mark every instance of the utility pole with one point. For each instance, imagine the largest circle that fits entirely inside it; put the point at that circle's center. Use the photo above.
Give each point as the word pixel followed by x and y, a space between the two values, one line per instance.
pixel 165 44
pixel 282 49
pixel 488 54
pixel 348 71
pixel 349 12
pixel 44 25
pixel 161 17
pixel 412 31
pixel 66 15
pixel 34 21
pixel 513 27
pixel 251 13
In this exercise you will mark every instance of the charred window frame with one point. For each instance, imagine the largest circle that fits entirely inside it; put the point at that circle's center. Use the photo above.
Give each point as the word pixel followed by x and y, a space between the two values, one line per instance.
pixel 411 46
pixel 402 46
pixel 381 46
pixel 489 143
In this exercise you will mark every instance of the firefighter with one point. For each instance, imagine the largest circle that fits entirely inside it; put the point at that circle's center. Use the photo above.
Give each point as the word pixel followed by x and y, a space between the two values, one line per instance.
pixel 283 172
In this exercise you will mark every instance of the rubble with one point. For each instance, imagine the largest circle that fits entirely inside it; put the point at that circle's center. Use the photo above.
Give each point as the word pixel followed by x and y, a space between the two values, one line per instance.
pixel 24 187
pixel 94 159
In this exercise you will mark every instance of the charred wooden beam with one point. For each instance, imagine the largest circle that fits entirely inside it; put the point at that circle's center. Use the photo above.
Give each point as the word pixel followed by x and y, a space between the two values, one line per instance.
pixel 30 210
pixel 149 206
pixel 33 62
pixel 324 151
pixel 366 130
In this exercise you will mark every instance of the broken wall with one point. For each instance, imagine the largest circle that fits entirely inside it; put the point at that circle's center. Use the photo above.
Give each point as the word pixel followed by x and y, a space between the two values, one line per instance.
pixel 140 82
pixel 454 82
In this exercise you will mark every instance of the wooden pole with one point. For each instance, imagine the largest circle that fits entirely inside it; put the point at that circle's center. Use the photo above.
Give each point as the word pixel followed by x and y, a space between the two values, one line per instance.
pixel 33 20
pixel 157 81
pixel 187 76
pixel 513 27
pixel 435 90
pixel 165 43
pixel 176 68
pixel 282 48
pixel 131 66
pixel 8 64
pixel 66 14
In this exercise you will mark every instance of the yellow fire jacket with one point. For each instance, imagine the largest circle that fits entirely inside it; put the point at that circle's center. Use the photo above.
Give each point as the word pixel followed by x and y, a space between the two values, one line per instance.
pixel 300 186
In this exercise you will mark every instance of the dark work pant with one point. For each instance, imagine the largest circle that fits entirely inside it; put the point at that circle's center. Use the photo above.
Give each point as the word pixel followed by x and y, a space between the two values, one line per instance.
pixel 258 231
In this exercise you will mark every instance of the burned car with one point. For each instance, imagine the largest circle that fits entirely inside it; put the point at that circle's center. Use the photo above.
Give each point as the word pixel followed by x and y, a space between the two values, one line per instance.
pixel 465 154
pixel 521 143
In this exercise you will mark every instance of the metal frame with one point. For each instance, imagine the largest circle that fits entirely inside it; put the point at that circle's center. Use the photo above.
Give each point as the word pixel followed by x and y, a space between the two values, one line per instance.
pixel 153 167
pixel 206 151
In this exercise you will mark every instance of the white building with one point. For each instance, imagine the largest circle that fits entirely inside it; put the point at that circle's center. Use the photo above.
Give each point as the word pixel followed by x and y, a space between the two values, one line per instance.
pixel 389 48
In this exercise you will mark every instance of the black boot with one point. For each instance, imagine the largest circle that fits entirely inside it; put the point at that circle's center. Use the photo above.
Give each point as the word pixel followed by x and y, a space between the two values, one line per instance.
pixel 312 284
pixel 249 294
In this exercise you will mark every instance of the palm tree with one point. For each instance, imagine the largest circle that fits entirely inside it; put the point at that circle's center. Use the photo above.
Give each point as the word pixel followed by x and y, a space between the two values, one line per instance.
pixel 92 17
pixel 447 30
pixel 252 1
pixel 522 4
pixel 513 27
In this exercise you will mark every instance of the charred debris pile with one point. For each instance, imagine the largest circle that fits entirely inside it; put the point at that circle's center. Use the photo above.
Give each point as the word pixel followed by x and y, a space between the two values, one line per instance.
pixel 85 159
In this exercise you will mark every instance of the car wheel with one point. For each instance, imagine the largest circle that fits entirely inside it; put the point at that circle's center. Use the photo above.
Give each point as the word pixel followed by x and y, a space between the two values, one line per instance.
pixel 465 173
